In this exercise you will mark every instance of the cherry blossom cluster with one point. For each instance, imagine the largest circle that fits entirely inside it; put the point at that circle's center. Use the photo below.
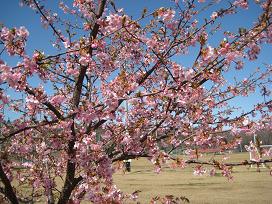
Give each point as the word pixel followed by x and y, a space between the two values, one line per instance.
pixel 14 39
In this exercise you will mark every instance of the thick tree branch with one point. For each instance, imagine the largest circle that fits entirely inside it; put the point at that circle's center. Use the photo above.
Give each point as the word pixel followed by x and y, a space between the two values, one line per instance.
pixel 70 181
pixel 243 163
pixel 212 163
pixel 15 132
pixel 8 190
pixel 47 104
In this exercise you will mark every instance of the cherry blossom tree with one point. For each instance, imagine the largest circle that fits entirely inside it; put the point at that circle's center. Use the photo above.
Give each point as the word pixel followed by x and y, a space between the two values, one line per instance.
pixel 119 90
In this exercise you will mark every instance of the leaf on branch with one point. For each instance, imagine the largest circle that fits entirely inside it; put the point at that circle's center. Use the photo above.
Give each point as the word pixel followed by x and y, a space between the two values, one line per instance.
pixel 144 12
pixel 202 40
pixel 242 31
pixel 124 21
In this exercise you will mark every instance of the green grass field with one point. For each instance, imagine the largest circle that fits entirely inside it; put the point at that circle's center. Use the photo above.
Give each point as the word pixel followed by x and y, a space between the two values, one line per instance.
pixel 248 185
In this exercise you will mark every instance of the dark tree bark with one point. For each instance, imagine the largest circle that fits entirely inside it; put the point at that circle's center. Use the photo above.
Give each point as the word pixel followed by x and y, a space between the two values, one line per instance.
pixel 70 180
pixel 8 190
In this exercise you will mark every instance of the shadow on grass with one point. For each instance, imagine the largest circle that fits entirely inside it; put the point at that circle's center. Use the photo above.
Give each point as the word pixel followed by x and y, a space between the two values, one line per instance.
pixel 192 184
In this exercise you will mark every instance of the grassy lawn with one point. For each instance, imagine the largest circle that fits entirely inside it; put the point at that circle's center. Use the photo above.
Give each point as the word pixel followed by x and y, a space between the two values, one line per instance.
pixel 248 185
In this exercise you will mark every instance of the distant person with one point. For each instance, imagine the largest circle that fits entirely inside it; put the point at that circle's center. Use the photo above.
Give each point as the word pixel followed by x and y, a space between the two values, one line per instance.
pixel 127 165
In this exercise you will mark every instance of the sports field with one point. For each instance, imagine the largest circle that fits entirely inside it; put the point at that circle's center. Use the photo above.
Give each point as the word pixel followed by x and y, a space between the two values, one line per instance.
pixel 248 185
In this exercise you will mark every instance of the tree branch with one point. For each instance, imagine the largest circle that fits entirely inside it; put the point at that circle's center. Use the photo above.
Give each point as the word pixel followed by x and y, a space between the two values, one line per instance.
pixel 70 181
pixel 47 104
pixel 44 123
pixel 50 24
pixel 8 190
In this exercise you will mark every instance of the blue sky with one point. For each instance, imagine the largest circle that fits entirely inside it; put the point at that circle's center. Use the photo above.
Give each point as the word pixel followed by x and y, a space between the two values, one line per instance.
pixel 13 15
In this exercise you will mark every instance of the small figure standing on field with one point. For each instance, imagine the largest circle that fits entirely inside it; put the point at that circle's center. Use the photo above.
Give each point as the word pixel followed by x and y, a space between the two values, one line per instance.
pixel 127 165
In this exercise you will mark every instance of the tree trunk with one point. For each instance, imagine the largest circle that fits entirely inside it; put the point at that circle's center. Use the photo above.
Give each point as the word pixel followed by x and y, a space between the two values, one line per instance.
pixel 8 190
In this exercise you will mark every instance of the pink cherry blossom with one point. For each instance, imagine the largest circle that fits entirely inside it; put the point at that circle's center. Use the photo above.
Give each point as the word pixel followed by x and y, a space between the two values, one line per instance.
pixel 166 14
pixel 199 170
pixel 241 3
pixel 120 86
pixel 214 15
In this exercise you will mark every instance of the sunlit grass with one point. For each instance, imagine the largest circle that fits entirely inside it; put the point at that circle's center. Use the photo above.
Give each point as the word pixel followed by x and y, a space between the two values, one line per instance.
pixel 248 185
